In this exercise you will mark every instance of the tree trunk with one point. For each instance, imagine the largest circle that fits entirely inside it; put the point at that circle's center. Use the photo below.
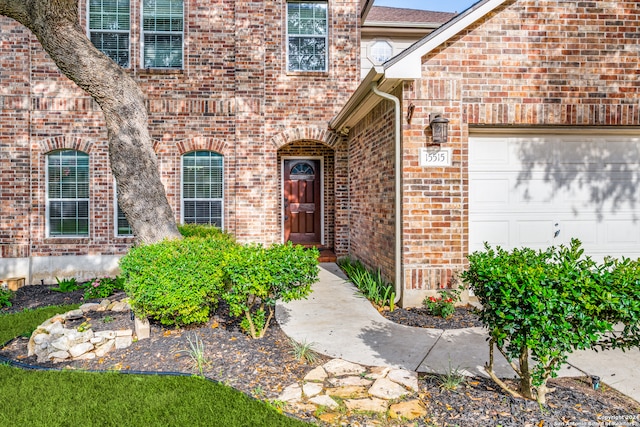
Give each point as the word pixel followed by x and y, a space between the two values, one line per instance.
pixel 141 194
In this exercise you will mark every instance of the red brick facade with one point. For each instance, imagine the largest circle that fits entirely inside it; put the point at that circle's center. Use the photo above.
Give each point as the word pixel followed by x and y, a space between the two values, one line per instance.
pixel 526 64
pixel 233 96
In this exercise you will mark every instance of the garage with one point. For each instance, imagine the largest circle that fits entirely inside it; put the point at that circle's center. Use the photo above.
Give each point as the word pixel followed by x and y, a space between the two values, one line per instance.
pixel 534 189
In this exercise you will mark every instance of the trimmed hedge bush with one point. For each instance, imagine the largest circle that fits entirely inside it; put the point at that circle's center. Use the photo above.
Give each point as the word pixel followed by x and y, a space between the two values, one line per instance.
pixel 256 277
pixel 539 306
pixel 176 282
pixel 179 282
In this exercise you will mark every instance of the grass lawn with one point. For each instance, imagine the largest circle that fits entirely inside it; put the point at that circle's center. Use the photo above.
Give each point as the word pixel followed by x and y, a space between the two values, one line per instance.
pixel 72 398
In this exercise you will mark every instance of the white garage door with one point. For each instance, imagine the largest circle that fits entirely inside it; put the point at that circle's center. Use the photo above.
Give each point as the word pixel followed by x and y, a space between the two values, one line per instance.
pixel 542 190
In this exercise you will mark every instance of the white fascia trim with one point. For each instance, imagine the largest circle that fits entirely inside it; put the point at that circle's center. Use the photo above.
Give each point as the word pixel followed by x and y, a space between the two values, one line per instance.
pixel 408 64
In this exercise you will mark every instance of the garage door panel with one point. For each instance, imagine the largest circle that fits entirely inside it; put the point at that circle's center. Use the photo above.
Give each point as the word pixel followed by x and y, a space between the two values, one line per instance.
pixel 533 233
pixel 584 230
pixel 495 232
pixel 622 232
pixel 490 192
pixel 588 185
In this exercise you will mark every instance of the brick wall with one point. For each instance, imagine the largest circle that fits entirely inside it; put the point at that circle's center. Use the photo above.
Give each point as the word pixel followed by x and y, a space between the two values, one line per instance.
pixel 233 96
pixel 529 63
pixel 371 189
pixel 541 63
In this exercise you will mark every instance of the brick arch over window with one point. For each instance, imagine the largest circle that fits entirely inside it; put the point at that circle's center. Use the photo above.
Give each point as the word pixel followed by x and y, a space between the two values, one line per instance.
pixel 201 144
pixel 313 133
pixel 64 142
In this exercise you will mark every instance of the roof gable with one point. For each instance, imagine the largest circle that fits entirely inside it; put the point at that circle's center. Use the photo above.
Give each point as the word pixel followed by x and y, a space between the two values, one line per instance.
pixel 407 65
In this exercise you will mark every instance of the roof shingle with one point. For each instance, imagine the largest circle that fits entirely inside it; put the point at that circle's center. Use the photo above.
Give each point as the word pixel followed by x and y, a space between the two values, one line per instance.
pixel 396 14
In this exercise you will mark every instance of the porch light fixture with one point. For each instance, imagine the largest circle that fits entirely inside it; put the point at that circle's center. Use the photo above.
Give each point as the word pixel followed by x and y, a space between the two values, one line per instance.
pixel 439 128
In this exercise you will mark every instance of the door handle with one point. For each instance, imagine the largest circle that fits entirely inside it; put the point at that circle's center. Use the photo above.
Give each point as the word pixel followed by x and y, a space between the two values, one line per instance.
pixel 286 217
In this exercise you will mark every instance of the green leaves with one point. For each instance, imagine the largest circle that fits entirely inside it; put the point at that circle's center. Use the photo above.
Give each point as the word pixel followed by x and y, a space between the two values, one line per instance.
pixel 256 277
pixel 177 282
pixel 371 285
pixel 552 302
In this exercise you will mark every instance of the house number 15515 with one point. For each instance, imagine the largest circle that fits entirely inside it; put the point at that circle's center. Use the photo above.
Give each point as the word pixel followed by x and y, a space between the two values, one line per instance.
pixel 431 157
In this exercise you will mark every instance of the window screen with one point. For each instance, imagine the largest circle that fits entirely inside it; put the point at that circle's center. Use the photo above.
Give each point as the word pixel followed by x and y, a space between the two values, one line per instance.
pixel 202 188
pixel 162 25
pixel 68 193
pixel 307 36
pixel 109 28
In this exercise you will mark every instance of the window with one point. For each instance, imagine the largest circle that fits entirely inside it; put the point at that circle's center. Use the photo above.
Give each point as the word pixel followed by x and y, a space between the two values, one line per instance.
pixel 123 229
pixel 109 28
pixel 162 24
pixel 307 36
pixel 380 51
pixel 202 188
pixel 68 193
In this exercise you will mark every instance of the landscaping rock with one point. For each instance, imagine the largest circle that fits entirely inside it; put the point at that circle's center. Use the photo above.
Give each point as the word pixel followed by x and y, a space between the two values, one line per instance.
pixel 312 389
pixel 142 327
pixel 293 393
pixel 53 341
pixel 339 367
pixel 408 410
pixel 74 315
pixel 354 383
pixel 384 388
pixel 80 349
pixel 325 401
pixel 316 374
pixel 90 306
pixel 406 378
pixel 346 381
pixel 368 405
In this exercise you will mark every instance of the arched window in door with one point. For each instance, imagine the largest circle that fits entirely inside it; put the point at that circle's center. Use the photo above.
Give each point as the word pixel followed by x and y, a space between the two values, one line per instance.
pixel 302 171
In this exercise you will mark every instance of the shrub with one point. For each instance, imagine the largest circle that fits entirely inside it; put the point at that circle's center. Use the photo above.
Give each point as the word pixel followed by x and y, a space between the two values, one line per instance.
pixel 539 306
pixel 444 305
pixel 5 297
pixel 371 286
pixel 256 277
pixel 103 287
pixel 204 231
pixel 176 282
pixel 66 285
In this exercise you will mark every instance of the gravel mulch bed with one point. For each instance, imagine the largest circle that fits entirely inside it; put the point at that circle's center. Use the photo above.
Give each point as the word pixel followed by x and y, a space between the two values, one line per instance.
pixel 262 368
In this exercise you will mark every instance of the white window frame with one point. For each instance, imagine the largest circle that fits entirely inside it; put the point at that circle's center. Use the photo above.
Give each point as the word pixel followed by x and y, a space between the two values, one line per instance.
pixel 48 201
pixel 371 48
pixel 127 32
pixel 115 214
pixel 326 36
pixel 143 33
pixel 221 199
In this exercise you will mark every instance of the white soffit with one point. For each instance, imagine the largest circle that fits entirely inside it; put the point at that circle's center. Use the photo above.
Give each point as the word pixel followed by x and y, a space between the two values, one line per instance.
pixel 408 64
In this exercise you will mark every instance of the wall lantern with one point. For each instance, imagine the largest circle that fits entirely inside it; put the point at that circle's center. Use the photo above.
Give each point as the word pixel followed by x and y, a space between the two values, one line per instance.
pixel 439 128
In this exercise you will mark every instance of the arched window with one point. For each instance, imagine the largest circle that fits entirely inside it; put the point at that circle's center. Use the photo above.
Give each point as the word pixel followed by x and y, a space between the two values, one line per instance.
pixel 68 193
pixel 302 168
pixel 203 188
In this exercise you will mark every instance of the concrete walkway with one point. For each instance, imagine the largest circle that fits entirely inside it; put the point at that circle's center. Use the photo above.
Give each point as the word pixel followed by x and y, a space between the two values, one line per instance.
pixel 342 324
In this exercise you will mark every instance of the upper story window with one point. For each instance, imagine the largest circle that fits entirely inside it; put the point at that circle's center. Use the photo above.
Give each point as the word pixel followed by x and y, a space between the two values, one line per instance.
pixel 380 51
pixel 109 28
pixel 202 188
pixel 307 29
pixel 162 33
pixel 68 193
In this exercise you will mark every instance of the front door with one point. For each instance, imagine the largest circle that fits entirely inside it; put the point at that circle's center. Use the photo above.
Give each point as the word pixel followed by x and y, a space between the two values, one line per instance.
pixel 302 203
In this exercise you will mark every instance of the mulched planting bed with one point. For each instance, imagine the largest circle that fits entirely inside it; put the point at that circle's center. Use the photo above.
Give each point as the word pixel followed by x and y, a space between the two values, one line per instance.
pixel 264 367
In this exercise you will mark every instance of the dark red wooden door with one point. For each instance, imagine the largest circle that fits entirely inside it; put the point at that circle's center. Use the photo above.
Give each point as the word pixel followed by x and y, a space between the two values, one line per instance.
pixel 302 204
